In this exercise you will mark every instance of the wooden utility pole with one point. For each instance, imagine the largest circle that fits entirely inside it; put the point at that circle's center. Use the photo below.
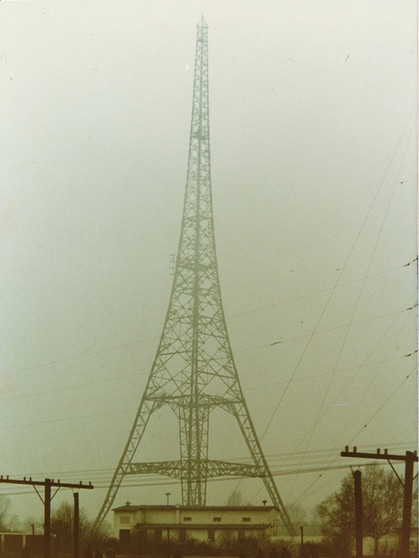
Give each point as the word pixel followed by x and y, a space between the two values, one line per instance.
pixel 358 513
pixel 47 518
pixel 48 484
pixel 407 503
pixel 409 459
pixel 76 525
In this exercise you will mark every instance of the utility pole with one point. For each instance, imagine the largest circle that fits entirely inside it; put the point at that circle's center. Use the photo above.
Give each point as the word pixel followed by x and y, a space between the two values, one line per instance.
pixel 407 502
pixel 47 518
pixel 409 459
pixel 358 513
pixel 76 525
pixel 46 500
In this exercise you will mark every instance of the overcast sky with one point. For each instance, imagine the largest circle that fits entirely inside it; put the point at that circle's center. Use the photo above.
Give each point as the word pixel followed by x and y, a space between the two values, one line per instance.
pixel 313 137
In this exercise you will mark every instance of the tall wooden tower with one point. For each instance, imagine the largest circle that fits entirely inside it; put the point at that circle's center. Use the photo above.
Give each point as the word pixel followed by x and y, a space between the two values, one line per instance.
pixel 194 371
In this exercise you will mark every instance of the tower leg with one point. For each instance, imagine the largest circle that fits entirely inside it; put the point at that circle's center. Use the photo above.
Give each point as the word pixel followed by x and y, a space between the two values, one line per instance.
pixel 242 415
pixel 141 420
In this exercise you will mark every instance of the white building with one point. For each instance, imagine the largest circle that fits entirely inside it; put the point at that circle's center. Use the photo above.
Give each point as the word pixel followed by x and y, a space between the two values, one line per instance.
pixel 210 523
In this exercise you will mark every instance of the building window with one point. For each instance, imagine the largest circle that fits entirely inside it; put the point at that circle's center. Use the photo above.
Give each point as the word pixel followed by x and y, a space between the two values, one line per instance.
pixel 216 518
pixel 211 535
pixel 182 535
pixel 246 519
pixel 125 520
pixel 187 519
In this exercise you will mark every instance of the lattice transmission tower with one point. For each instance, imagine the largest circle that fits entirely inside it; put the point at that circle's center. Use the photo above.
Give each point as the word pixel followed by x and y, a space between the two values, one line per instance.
pixel 194 371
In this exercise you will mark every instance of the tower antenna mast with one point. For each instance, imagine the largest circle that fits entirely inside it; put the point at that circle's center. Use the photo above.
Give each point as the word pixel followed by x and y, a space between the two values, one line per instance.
pixel 194 372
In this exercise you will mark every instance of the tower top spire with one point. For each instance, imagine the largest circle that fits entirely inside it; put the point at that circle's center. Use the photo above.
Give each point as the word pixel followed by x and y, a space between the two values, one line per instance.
pixel 202 22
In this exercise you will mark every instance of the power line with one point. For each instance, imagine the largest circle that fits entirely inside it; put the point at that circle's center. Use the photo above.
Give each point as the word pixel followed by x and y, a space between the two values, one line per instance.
pixel 259 386
pixel 379 188
pixel 329 467
pixel 163 482
pixel 283 458
pixel 321 332
pixel 320 291
pixel 87 353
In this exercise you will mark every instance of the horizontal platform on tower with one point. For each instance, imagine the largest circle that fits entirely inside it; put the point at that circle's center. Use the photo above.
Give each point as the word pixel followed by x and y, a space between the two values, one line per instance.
pixel 203 401
pixel 180 469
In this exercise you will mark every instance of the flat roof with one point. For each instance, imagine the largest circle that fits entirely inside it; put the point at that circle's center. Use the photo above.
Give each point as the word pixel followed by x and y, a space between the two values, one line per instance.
pixel 201 526
pixel 134 508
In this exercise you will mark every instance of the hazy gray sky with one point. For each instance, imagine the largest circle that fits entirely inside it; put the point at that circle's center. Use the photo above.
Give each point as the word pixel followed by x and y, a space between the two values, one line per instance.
pixel 313 115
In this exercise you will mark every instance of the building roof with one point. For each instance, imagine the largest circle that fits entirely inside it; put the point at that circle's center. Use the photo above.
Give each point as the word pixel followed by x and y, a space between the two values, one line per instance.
pixel 200 526
pixel 133 508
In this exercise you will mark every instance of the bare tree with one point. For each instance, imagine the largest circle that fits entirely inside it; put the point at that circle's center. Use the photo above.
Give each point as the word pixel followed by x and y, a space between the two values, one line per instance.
pixel 382 495
pixel 297 513
pixel 62 526
pixel 337 521
pixel 4 513
pixel 235 498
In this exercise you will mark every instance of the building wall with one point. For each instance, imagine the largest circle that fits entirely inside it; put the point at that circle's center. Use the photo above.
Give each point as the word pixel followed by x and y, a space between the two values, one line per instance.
pixel 11 542
pixel 199 523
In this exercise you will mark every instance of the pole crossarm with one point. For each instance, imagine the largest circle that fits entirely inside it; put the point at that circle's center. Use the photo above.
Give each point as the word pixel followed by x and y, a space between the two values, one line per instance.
pixel 386 456
pixel 51 482
pixel 179 469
